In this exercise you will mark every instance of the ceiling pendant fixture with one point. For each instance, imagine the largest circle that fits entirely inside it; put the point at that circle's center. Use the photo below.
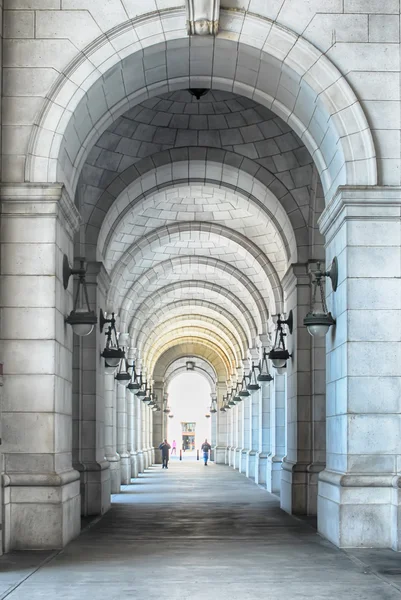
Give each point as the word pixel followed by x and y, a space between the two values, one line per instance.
pixel 82 320
pixel 198 92
pixel 279 354
pixel 264 374
pixel 319 320
pixel 112 352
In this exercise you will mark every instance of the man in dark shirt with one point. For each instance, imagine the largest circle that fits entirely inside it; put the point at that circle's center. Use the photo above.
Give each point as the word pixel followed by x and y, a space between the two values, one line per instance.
pixel 165 447
pixel 206 447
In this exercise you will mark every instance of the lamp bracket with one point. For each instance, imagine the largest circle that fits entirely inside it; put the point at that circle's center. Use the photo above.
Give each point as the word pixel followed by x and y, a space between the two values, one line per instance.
pixel 333 273
pixel 68 271
pixel 102 320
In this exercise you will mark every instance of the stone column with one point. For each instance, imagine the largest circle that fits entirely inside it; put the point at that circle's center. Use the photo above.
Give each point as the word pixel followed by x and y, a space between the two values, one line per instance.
pixel 138 411
pixel 359 491
pixel 231 437
pixel 122 434
pixel 246 424
pixel 297 485
pixel 221 447
pixel 264 433
pixel 89 404
pixel 134 451
pixel 213 439
pixel 130 429
pixel 240 422
pixel 277 432
pixel 144 410
pixel 254 426
pixel 109 433
pixel 158 424
pixel 42 490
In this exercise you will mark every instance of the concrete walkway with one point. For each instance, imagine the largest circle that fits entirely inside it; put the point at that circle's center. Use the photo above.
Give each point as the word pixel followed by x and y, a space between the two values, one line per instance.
pixel 196 533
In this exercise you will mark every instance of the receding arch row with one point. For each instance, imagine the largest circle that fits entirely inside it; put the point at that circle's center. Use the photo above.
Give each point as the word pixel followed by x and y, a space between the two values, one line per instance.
pixel 183 348
pixel 210 269
pixel 129 216
pixel 188 309
pixel 213 167
pixel 151 350
pixel 322 109
pixel 179 366
pixel 197 291
pixel 173 326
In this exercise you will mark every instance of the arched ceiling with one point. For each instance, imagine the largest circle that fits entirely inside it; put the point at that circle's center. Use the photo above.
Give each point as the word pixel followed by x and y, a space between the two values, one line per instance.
pixel 197 208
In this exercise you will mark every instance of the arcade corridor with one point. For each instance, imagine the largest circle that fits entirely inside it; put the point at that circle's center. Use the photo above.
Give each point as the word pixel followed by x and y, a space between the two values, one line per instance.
pixel 199 533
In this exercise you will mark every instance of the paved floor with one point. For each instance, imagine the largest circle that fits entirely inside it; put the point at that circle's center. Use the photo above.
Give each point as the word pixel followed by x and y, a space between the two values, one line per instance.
pixel 196 532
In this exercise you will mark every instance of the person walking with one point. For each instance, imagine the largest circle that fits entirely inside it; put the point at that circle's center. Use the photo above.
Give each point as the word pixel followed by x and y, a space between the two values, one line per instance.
pixel 174 448
pixel 165 447
pixel 206 447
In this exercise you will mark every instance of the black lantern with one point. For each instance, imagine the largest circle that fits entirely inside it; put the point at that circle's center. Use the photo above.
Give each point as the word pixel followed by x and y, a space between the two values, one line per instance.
pixel 123 377
pixel 236 397
pixel 81 319
pixel 253 385
pixel 264 374
pixel 133 385
pixel 112 352
pixel 141 393
pixel 213 408
pixel 279 354
pixel 243 393
pixel 319 320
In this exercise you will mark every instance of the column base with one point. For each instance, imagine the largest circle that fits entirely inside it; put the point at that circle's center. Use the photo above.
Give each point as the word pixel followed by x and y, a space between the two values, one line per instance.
pixel 220 455
pixel 140 462
pixel 260 468
pixel 115 473
pixel 125 468
pixel 95 488
pixel 273 474
pixel 134 465
pixel 355 511
pixel 42 512
pixel 250 464
pixel 299 488
pixel 158 457
pixel 243 459
pixel 237 459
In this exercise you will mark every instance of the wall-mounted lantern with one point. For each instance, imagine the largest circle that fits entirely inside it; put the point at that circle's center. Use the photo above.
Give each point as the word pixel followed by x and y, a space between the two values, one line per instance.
pixel 112 352
pixel 264 374
pixel 319 320
pixel 279 353
pixel 81 319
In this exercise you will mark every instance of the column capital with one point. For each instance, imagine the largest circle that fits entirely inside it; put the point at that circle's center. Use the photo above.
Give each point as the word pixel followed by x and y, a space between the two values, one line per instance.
pixel 359 203
pixel 38 200
pixel 202 16
pixel 296 274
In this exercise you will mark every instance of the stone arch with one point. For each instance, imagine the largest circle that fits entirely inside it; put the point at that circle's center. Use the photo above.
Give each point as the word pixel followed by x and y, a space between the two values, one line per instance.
pixel 98 86
pixel 259 308
pixel 179 366
pixel 171 325
pixel 184 287
pixel 153 317
pixel 194 349
pixel 207 336
pixel 219 168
